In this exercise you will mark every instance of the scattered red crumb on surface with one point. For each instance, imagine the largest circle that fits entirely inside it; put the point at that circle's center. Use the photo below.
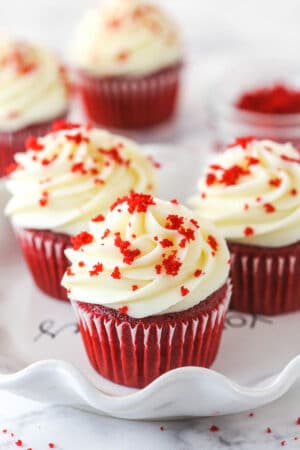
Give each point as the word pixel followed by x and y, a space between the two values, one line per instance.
pixel 134 287
pixel 156 164
pixel 4 430
pixel 276 182
pixel 197 273
pixel 32 143
pixel 81 239
pixel 175 201
pixel 78 138
pixel 166 243
pixel 158 269
pixel 171 264
pixel 136 202
pixel 210 179
pixel 283 443
pixel 123 55
pixel 116 274
pixel 203 195
pixel 269 430
pixel 195 223
pixel 19 443
pixel 246 206
pixel 296 438
pixel 298 421
pixel 123 309
pixel 243 141
pixel 174 222
pixel 248 231
pixel 129 255
pixel 290 159
pixel 294 191
pixel 184 291
pixel 251 414
pixel 81 264
pixel 97 268
pixel 12 168
pixel 105 234
pixel 69 272
pixel 214 428
pixel 274 99
pixel 51 445
pixel 99 218
pixel 12 434
pixel 162 428
pixel 212 242
pixel 269 208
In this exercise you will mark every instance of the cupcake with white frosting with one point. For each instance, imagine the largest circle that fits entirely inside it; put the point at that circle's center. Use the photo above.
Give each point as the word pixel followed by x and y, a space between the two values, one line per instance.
pixel 33 92
pixel 149 284
pixel 252 194
pixel 63 180
pixel 128 54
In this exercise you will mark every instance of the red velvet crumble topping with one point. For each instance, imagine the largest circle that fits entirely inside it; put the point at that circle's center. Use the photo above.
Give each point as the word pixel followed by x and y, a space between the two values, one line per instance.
pixel 214 429
pixel 99 218
pixel 294 191
pixel 78 138
pixel 81 239
pixel 114 155
pixel 231 175
pixel 269 208
pixel 174 222
pixel 166 243
pixel 248 231
pixel 158 269
pixel 81 264
pixel 246 206
pixel 105 234
pixel 136 202
pixel 210 179
pixel 269 430
pixel 69 272
pixel 19 443
pixel 174 201
pixel 289 159
pixel 58 125
pixel 197 273
pixel 97 268
pixel 298 421
pixel 195 223
pixel 276 182
pixel 51 445
pixel 116 274
pixel 157 165
pixel 171 264
pixel 128 254
pixel 122 56
pixel 212 242
pixel 184 291
pixel 123 309
pixel 242 141
pixel 32 143
pixel 134 287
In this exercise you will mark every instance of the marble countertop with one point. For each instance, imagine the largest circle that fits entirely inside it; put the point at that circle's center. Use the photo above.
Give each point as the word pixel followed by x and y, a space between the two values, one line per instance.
pixel 216 34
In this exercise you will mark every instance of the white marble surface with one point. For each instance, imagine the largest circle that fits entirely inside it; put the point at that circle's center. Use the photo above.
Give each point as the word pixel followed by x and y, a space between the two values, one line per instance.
pixel 216 32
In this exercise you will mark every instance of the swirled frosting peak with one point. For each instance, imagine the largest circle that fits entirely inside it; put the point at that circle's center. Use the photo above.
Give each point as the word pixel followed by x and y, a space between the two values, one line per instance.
pixel 146 257
pixel 67 176
pixel 33 85
pixel 252 193
pixel 126 37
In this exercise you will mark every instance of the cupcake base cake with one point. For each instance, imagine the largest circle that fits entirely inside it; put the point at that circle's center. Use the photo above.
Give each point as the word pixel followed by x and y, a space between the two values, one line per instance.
pixel 134 352
pixel 127 102
pixel 265 279
pixel 43 250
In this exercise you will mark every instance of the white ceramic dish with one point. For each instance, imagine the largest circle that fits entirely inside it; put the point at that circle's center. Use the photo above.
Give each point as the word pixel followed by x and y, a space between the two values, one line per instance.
pixel 42 356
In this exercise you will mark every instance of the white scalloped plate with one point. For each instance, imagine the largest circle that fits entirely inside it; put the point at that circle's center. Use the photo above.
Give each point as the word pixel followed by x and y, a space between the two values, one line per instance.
pixel 42 356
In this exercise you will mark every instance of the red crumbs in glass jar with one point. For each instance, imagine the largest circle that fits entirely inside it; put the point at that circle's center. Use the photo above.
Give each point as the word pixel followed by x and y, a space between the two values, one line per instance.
pixel 276 99
pixel 81 239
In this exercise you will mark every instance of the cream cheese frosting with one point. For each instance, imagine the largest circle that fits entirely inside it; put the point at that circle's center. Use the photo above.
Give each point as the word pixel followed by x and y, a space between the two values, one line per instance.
pixel 146 257
pixel 252 193
pixel 33 85
pixel 67 176
pixel 126 37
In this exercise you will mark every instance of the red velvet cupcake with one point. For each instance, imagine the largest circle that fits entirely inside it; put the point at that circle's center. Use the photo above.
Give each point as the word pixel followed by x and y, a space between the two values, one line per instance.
pixel 252 194
pixel 59 183
pixel 128 57
pixel 34 93
pixel 149 286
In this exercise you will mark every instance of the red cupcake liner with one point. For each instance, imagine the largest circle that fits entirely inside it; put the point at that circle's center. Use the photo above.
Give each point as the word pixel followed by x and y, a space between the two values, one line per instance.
pixel 44 253
pixel 13 142
pixel 122 102
pixel 134 352
pixel 266 280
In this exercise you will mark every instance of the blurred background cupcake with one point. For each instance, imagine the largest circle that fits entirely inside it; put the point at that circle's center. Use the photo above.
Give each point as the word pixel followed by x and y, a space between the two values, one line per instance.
pixel 33 92
pixel 252 194
pixel 128 56
pixel 59 183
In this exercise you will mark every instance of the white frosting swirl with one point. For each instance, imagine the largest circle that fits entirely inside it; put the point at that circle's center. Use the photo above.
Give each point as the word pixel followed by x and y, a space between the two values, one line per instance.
pixel 260 206
pixel 162 273
pixel 33 85
pixel 75 174
pixel 126 37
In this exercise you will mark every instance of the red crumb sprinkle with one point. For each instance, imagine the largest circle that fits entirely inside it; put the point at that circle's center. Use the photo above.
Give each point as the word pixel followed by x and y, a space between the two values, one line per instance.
pixel 81 264
pixel 289 159
pixel 136 202
pixel 12 168
pixel 184 291
pixel 69 272
pixel 214 429
pixel 81 239
pixel 51 445
pixel 195 223
pixel 97 268
pixel 64 125
pixel 4 431
pixel 242 141
pixel 98 181
pixel 197 273
pixel 269 208
pixel 19 443
pixel 212 242
pixel 276 182
pixel 246 207
pixel 269 430
pixel 229 261
pixel 105 234
pixel 174 222
pixel 283 443
pixel 122 56
pixel 171 264
pixel 248 231
pixel 116 274
pixel 32 143
pixel 231 175
pixel 134 287
pixel 78 138
pixel 162 428
pixel 128 254
pixel 258 199
pixel 43 201
pixel 114 155
pixel 252 161
pixel 298 421
pixel 296 438
pixel 166 243
pixel 99 218
pixel 12 434
pixel 158 269
pixel 294 191
pixel 123 309
pixel 175 201
pixel 203 195
pixel 210 179
pixel 251 414
pixel 155 164
pixel 79 167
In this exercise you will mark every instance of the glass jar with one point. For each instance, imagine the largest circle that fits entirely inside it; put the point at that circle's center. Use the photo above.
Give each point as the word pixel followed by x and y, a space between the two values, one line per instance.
pixel 227 121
